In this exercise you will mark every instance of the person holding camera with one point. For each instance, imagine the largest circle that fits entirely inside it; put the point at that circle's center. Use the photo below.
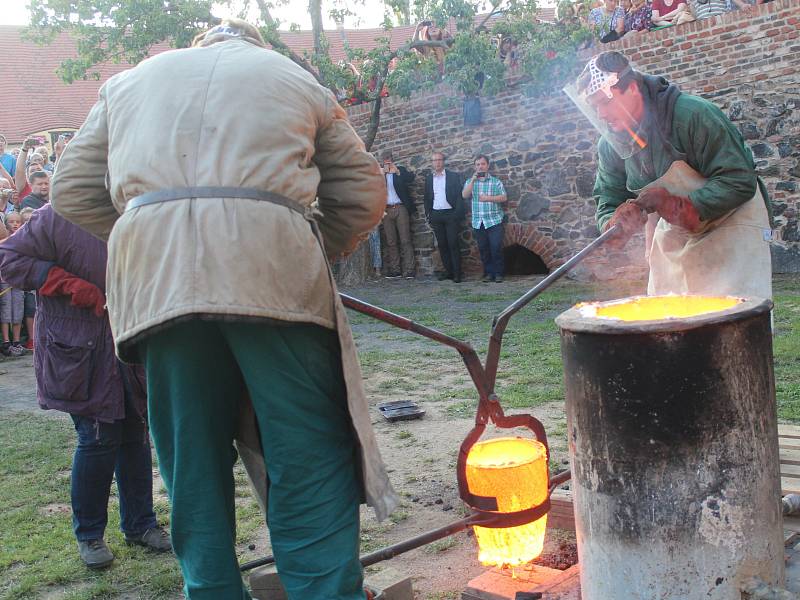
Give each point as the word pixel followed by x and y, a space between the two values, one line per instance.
pixel 6 199
pixel 397 220
pixel 488 196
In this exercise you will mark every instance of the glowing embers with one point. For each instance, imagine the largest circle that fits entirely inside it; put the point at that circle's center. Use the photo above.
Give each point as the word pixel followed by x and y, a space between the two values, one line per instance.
pixel 514 470
pixel 657 308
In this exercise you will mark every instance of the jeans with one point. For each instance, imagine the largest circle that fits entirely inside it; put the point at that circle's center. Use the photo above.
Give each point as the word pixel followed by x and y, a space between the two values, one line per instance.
pixel 294 378
pixel 103 449
pixel 490 246
pixel 375 248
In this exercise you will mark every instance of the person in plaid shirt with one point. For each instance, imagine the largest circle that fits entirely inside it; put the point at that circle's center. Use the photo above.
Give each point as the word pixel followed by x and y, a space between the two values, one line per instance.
pixel 488 195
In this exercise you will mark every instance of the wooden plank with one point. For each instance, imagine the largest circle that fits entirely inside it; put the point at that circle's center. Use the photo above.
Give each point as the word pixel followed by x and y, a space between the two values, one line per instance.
pixel 785 428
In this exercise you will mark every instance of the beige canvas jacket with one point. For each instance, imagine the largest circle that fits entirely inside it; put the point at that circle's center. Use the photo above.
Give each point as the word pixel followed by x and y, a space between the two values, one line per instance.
pixel 230 114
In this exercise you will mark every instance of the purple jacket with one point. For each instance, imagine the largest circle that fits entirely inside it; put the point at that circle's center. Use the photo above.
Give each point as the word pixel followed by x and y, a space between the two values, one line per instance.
pixel 76 369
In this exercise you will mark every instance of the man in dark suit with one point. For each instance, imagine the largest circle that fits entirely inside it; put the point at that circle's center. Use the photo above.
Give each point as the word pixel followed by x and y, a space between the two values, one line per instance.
pixel 397 221
pixel 444 209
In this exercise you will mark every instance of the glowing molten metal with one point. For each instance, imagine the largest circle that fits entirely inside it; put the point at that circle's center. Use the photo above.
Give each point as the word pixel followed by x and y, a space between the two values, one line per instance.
pixel 656 308
pixel 514 470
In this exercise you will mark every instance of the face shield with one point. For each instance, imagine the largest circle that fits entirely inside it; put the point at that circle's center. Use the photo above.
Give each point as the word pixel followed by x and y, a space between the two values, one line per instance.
pixel 594 94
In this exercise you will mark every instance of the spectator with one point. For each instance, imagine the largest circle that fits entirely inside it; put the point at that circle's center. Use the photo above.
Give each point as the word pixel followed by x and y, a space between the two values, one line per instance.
pixel 608 20
pixel 508 53
pixel 78 373
pixel 397 220
pixel 444 209
pixel 745 5
pixel 6 199
pixel 30 296
pixel 666 13
pixel 639 16
pixel 21 173
pixel 488 195
pixel 40 191
pixel 7 161
pixel 703 9
pixel 12 303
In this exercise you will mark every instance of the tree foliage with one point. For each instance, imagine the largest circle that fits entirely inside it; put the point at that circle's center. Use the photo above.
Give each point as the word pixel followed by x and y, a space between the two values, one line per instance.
pixel 466 60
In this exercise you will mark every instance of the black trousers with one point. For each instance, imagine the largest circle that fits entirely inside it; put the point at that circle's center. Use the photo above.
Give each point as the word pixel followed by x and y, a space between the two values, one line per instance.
pixel 447 227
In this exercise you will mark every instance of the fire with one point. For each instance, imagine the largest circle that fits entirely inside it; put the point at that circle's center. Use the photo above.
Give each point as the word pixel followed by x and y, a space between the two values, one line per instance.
pixel 656 308
pixel 514 470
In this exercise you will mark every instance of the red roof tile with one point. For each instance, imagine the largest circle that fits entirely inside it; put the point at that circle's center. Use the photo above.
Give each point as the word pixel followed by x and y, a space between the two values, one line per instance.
pixel 34 99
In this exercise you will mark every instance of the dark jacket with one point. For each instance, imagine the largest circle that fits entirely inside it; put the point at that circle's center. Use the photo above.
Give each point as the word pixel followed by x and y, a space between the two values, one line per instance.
pixel 76 369
pixel 33 201
pixel 452 192
pixel 401 184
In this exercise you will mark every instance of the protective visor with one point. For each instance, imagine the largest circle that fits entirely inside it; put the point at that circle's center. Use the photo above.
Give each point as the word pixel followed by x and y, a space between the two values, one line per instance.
pixel 596 84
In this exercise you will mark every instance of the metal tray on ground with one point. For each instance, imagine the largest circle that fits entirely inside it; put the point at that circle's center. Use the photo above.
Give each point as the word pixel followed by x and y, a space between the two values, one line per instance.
pixel 401 410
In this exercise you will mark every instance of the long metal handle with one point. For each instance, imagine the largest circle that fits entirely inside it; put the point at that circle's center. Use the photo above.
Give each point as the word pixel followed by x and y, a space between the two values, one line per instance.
pixel 501 321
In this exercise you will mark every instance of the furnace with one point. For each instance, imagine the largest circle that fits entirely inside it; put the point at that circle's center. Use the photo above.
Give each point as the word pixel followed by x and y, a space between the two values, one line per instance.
pixel 674 448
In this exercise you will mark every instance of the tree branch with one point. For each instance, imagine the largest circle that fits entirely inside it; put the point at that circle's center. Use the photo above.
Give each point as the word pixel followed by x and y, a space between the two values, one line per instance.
pixel 276 42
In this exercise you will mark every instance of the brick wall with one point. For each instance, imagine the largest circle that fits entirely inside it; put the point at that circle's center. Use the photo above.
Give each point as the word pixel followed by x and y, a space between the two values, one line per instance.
pixel 543 149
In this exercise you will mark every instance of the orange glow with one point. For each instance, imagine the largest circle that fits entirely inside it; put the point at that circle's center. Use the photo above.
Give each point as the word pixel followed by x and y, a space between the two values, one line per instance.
pixel 656 308
pixel 514 470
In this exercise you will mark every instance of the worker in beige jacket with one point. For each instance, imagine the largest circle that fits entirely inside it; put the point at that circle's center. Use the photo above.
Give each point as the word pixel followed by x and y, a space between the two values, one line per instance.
pixel 201 167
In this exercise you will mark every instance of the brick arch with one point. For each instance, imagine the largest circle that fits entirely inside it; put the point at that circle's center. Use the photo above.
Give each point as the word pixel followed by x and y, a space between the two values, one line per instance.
pixel 537 242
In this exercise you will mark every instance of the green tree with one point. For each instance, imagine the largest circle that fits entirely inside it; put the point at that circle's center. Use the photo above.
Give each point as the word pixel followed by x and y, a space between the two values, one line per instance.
pixel 126 31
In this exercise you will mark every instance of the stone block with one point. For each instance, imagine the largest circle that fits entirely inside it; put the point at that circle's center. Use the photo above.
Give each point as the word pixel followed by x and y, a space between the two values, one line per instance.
pixel 388 584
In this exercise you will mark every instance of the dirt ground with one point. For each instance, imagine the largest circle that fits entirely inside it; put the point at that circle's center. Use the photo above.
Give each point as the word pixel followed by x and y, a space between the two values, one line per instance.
pixel 420 454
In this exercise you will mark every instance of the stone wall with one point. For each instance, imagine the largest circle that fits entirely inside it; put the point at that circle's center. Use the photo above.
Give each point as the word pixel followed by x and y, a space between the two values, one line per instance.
pixel 543 149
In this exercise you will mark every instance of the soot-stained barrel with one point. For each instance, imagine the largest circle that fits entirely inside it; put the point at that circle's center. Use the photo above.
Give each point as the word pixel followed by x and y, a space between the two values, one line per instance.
pixel 674 447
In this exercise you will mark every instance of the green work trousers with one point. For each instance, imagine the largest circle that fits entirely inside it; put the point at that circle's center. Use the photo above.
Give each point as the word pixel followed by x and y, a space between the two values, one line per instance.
pixel 197 372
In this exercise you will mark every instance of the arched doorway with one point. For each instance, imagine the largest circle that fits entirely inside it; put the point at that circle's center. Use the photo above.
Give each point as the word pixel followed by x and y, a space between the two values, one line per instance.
pixel 521 261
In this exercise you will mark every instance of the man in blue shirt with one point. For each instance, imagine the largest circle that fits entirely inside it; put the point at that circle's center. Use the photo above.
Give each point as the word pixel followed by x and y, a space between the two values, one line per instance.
pixel 488 195
pixel 7 160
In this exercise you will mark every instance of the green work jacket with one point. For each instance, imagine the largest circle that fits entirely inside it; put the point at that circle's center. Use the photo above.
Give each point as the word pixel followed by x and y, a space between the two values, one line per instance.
pixel 709 143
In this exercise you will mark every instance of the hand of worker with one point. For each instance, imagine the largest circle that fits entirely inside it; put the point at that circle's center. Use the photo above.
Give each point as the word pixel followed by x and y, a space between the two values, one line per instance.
pixel 630 219
pixel 676 210
pixel 82 293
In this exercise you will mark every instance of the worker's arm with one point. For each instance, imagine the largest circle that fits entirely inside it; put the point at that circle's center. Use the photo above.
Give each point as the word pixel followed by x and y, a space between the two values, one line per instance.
pixel 79 192
pixel 610 187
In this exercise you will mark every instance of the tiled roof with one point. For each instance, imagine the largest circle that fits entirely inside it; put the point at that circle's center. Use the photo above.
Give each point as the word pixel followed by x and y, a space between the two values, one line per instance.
pixel 33 98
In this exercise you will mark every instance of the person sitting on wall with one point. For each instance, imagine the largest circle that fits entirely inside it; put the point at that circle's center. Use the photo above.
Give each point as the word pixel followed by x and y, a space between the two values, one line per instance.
pixel 703 9
pixel 608 20
pixel 639 16
pixel 666 13
pixel 427 31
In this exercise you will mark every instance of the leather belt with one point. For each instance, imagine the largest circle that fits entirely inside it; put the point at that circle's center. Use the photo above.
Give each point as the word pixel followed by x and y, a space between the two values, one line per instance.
pixel 218 192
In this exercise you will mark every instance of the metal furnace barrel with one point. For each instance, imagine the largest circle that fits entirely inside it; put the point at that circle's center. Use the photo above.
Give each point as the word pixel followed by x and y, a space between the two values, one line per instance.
pixel 673 441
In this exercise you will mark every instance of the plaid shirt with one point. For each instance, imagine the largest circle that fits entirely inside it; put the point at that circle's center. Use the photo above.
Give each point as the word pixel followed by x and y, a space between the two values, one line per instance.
pixel 487 213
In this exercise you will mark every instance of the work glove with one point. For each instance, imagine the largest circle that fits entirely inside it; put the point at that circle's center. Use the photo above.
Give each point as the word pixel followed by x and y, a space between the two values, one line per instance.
pixel 675 210
pixel 83 294
pixel 630 219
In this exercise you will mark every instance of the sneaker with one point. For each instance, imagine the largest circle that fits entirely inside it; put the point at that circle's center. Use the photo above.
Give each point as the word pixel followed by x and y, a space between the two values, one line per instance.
pixel 29 345
pixel 154 538
pixel 95 554
pixel 457 279
pixel 409 276
pixel 5 349
pixel 393 276
pixel 498 279
pixel 19 347
pixel 15 349
pixel 487 278
pixel 443 276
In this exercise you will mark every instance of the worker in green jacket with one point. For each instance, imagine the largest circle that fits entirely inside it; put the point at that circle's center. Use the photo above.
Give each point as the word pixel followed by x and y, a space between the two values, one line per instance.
pixel 679 158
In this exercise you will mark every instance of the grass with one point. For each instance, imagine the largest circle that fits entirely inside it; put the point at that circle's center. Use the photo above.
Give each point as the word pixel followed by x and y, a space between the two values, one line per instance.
pixel 38 552
pixel 530 371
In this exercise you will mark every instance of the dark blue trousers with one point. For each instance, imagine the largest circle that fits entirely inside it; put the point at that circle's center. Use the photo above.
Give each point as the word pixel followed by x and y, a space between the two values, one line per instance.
pixel 103 450
pixel 490 246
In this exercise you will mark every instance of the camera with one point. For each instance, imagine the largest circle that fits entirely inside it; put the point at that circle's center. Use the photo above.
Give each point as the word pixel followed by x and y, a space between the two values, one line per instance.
pixel 6 193
pixel 480 174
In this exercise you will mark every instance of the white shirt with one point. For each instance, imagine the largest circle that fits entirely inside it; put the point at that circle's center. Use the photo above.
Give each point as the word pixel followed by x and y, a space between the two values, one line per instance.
pixel 391 195
pixel 440 192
